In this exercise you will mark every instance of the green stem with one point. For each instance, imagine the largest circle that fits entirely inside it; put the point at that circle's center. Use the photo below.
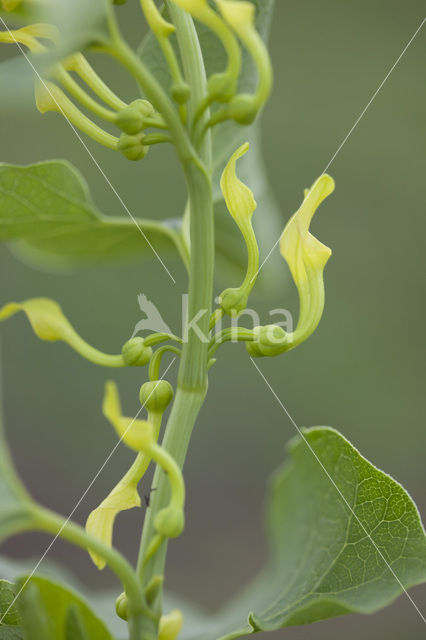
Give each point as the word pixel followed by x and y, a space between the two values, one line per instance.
pixel 155 362
pixel 239 334
pixel 94 355
pixel 192 378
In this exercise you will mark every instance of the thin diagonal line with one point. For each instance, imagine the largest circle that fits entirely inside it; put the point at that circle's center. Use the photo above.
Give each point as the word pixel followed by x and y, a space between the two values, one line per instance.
pixel 374 95
pixel 339 491
pixel 82 498
pixel 92 157
pixel 357 121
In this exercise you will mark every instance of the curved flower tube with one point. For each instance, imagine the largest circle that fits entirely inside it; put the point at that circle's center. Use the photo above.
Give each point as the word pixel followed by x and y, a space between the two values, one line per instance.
pixel 124 495
pixel 221 86
pixel 49 97
pixel 306 257
pixel 49 323
pixel 240 16
pixel 141 436
pixel 241 205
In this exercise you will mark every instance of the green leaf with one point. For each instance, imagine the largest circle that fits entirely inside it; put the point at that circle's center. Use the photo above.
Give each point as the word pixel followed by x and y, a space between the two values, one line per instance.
pixel 74 625
pixel 102 602
pixel 48 206
pixel 349 544
pixel 8 611
pixel 57 612
pixel 34 619
pixel 226 138
pixel 9 629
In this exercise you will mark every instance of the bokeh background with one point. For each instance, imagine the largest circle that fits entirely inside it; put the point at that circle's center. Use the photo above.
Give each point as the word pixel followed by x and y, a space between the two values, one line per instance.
pixel 363 370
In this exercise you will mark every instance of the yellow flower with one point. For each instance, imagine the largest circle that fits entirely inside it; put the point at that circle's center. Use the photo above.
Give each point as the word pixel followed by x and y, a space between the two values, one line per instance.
pixel 221 86
pixel 100 522
pixel 306 257
pixel 139 435
pixel 238 197
pixel 170 625
pixel 240 16
pixel 29 36
pixel 49 323
pixel 241 205
pixel 136 434
pixel 46 318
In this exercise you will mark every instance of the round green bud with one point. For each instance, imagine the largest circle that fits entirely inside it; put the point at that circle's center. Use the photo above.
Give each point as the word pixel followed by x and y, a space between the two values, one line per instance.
pixel 220 87
pixel 271 340
pixel 181 92
pixel 243 109
pixel 129 120
pixel 144 107
pixel 156 395
pixel 170 522
pixel 135 353
pixel 122 606
pixel 233 301
pixel 132 146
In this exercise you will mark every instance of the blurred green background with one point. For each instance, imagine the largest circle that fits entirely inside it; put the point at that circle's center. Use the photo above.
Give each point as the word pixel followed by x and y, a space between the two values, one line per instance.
pixel 363 370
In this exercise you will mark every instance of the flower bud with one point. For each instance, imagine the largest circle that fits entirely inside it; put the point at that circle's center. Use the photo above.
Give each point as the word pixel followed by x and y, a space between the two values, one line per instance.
pixel 233 301
pixel 243 109
pixel 144 107
pixel 156 396
pixel 181 92
pixel 170 625
pixel 220 87
pixel 132 146
pixel 270 341
pixel 122 606
pixel 135 352
pixel 129 120
pixel 170 522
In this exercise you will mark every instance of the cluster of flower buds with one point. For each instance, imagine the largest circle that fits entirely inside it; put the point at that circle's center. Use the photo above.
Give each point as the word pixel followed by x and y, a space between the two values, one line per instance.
pixel 58 91
pixel 233 22
pixel 234 25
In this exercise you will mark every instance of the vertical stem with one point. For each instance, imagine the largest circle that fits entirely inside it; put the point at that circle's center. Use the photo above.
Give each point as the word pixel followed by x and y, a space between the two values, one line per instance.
pixel 192 378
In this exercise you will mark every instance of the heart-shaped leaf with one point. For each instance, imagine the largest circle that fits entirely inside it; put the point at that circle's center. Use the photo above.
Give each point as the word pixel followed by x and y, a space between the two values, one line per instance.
pixel 48 207
pixel 344 537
